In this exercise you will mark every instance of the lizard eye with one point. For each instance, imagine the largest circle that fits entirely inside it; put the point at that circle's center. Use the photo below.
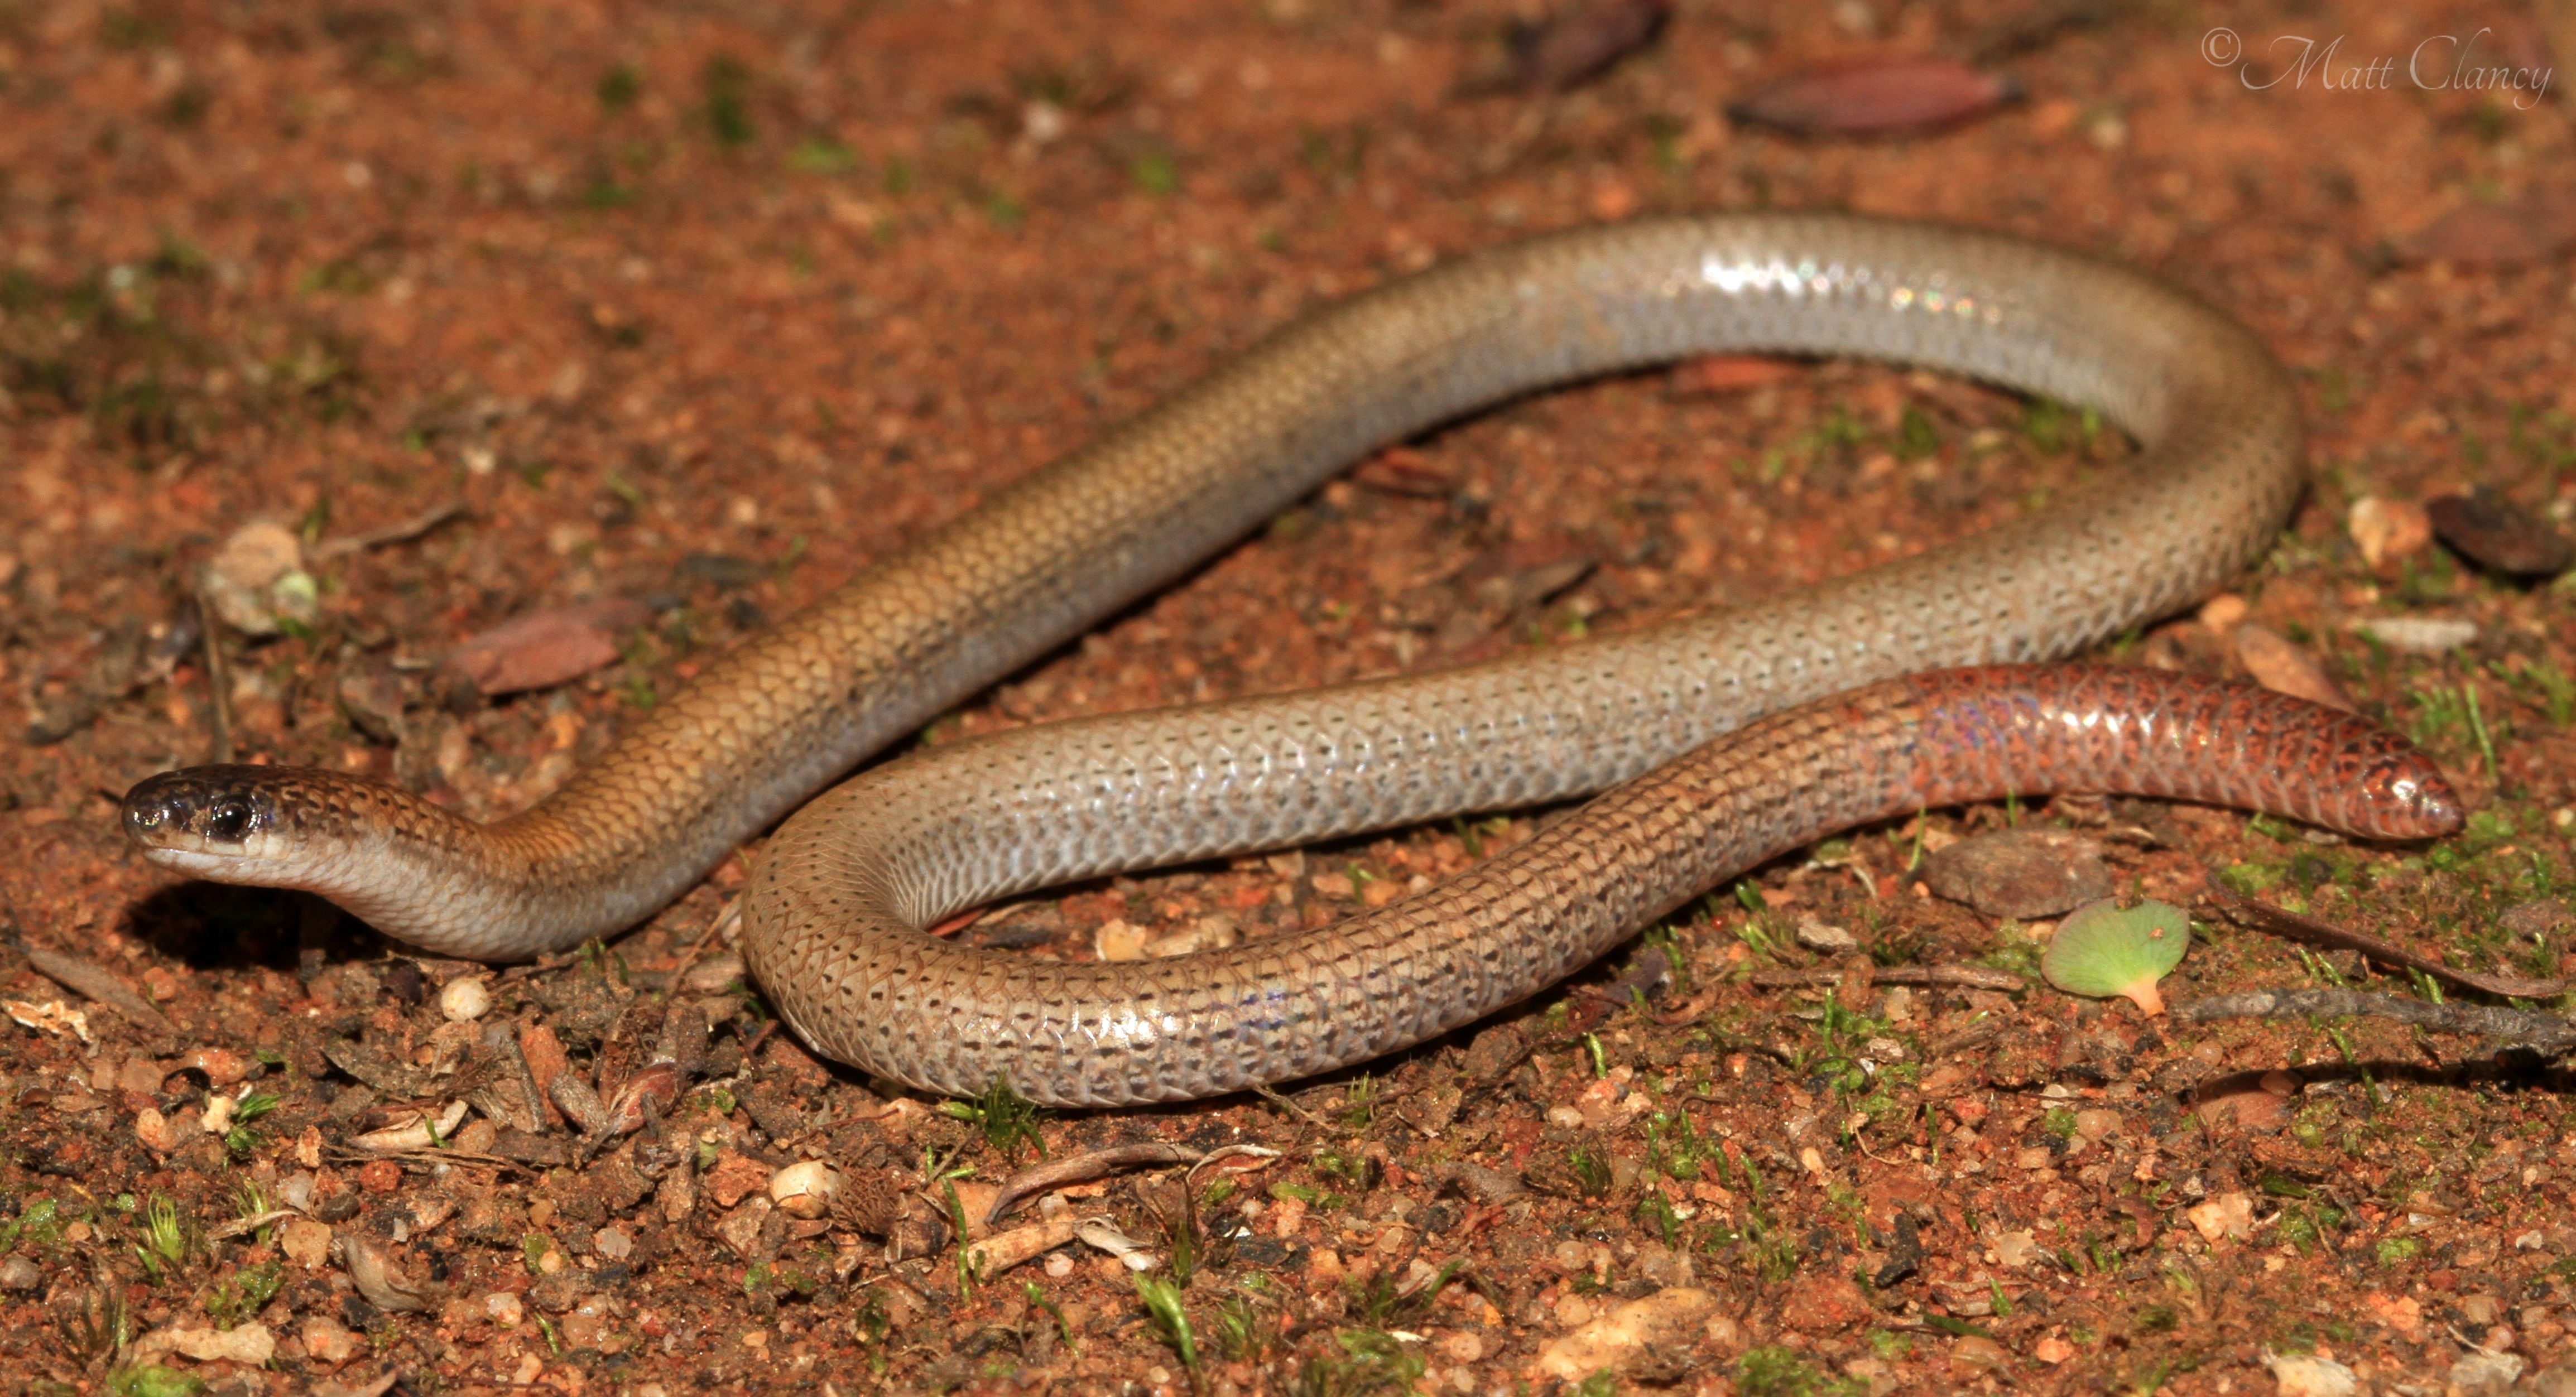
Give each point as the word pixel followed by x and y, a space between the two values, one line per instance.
pixel 229 818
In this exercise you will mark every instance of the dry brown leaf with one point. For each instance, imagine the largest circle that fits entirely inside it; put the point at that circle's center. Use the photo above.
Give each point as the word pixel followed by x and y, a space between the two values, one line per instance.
pixel 1584 40
pixel 1876 97
pixel 2282 667
pixel 2532 228
pixel 545 648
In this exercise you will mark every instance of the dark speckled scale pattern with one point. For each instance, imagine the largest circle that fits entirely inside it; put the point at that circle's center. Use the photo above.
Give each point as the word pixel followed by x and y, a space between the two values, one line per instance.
pixel 789 711
pixel 913 841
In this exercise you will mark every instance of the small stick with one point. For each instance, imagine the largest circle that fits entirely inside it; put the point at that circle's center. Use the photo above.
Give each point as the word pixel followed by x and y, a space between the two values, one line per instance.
pixel 219 680
pixel 2548 1033
pixel 93 980
pixel 2263 916
pixel 1972 977
pixel 1271 1094
pixel 403 532
pixel 726 916
pixel 1091 1164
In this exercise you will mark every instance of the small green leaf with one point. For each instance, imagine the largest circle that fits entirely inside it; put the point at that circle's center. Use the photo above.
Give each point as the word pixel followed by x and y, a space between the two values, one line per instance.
pixel 153 1381
pixel 2102 949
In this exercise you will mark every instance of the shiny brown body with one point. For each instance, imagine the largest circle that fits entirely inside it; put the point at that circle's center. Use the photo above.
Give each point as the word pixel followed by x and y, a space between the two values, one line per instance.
pixel 850 884
pixel 793 709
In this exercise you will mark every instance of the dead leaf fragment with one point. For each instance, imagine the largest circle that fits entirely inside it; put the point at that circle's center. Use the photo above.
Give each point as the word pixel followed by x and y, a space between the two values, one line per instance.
pixel 2532 228
pixel 1401 470
pixel 1583 40
pixel 251 1345
pixel 371 1267
pixel 1876 97
pixel 53 1016
pixel 2282 667
pixel 2496 534
pixel 545 648
pixel 421 1132
pixel 2022 873
pixel 88 978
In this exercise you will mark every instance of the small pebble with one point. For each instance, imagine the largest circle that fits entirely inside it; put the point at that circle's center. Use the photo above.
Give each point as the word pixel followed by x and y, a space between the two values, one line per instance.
pixel 1978 1351
pixel 465 1000
pixel 306 1243
pixel 1117 940
pixel 258 577
pixel 2419 635
pixel 1209 933
pixel 155 1131
pixel 2306 1375
pixel 20 1275
pixel 2485 1374
pixel 2387 530
pixel 714 973
pixel 805 1189
pixel 1059 1265
pixel 613 1243
pixel 371 698
pixel 1822 936
pixel 505 1309
pixel 328 1342
pixel 223 1067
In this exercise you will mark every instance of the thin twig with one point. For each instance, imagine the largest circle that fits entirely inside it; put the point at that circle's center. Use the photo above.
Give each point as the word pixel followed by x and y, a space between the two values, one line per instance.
pixel 1078 1168
pixel 93 980
pixel 2263 916
pixel 219 681
pixel 728 915
pixel 1973 977
pixel 1271 1095
pixel 429 1158
pixel 2548 1033
pixel 403 532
